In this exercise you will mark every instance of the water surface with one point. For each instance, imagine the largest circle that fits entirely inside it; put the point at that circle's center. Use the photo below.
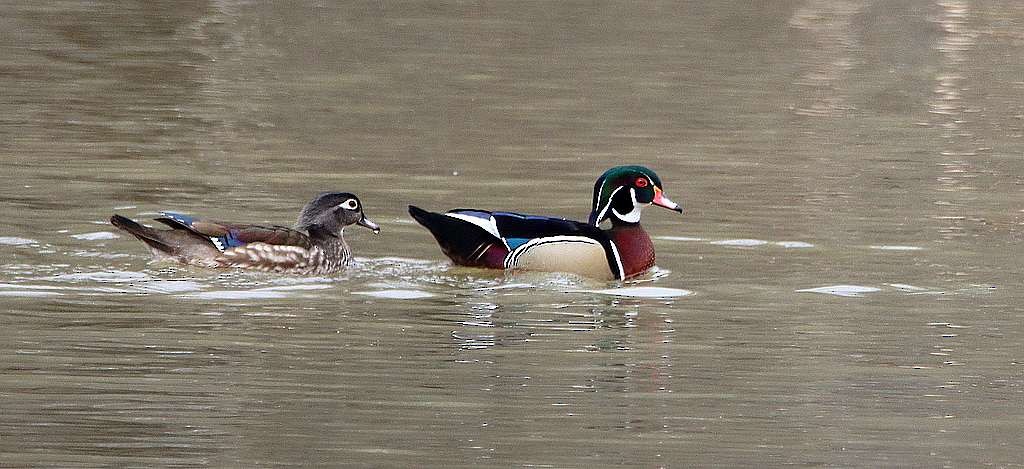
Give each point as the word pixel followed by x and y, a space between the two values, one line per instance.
pixel 843 289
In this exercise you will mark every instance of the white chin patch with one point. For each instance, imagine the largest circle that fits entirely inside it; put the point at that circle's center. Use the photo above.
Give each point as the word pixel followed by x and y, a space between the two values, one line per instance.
pixel 633 216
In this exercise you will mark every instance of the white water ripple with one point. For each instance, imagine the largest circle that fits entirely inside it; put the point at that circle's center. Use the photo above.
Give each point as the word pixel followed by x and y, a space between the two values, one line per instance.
pixel 96 236
pixel 794 244
pixel 842 290
pixel 16 241
pixel 740 242
pixel 396 294
pixel 114 276
pixel 640 292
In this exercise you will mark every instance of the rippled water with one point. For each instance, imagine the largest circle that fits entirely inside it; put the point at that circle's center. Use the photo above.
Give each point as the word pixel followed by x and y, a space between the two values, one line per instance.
pixel 843 289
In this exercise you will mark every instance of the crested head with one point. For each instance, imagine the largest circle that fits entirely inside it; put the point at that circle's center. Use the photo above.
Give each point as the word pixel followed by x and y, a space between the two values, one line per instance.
pixel 330 212
pixel 621 193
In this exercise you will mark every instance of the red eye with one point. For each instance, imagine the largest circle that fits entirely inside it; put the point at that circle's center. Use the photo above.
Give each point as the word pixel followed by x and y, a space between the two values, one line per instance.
pixel 642 182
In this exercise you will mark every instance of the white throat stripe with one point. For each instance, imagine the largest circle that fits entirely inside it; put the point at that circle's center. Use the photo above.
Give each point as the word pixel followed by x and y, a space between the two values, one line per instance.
pixel 634 215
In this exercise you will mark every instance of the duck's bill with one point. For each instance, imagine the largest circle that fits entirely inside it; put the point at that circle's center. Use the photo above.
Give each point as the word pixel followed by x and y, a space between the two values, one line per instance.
pixel 369 224
pixel 662 201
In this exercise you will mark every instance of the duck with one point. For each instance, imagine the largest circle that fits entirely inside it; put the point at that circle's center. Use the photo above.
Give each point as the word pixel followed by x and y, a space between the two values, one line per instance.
pixel 514 241
pixel 314 246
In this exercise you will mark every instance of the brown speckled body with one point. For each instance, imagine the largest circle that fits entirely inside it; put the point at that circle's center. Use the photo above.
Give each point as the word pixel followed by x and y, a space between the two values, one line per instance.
pixel 326 257
pixel 320 259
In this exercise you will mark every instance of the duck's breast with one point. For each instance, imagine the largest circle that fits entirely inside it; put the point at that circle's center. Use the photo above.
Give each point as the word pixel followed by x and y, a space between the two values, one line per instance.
pixel 636 251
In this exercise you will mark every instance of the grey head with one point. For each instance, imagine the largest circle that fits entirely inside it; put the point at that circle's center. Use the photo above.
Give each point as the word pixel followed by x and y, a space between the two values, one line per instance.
pixel 330 212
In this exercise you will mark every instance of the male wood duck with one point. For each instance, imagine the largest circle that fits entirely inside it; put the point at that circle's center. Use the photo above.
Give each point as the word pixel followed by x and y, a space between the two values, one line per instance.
pixel 314 247
pixel 503 240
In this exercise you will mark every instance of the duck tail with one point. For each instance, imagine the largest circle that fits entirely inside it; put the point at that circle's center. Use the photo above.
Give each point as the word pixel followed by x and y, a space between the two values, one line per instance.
pixel 463 242
pixel 421 216
pixel 145 234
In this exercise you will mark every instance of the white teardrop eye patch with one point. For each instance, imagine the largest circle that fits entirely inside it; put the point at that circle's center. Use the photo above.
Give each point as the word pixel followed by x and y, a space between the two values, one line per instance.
pixel 350 204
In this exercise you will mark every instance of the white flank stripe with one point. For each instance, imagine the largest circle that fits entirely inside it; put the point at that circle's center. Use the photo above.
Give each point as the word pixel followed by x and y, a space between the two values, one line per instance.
pixel 488 225
pixel 618 261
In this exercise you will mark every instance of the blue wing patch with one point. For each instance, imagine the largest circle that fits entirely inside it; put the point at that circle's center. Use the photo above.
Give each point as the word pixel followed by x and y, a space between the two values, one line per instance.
pixel 231 240
pixel 228 241
pixel 516 242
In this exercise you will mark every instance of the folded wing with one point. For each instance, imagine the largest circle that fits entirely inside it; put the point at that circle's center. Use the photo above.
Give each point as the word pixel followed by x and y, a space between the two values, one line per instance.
pixel 227 235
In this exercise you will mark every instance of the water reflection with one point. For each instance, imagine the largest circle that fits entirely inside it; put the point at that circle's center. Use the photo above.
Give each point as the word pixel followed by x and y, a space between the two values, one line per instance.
pixel 830 24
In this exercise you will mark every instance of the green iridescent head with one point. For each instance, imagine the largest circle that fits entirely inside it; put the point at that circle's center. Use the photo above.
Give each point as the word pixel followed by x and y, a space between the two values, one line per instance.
pixel 621 193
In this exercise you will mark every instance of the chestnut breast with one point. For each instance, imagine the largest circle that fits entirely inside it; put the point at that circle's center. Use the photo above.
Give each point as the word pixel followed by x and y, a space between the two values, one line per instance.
pixel 636 250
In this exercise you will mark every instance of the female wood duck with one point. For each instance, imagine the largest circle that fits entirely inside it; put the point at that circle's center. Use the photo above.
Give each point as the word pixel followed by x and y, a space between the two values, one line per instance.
pixel 479 238
pixel 314 247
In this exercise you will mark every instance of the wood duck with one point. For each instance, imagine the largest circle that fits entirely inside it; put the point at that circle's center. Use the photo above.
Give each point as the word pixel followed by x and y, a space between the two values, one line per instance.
pixel 503 240
pixel 314 247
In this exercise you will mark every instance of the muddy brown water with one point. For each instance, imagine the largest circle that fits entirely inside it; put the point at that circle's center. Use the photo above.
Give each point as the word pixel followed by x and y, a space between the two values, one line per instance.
pixel 844 288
